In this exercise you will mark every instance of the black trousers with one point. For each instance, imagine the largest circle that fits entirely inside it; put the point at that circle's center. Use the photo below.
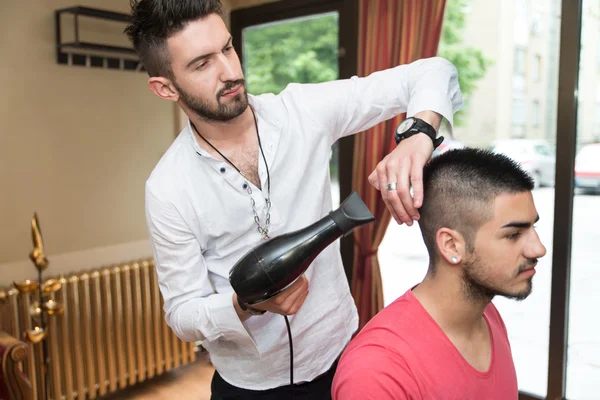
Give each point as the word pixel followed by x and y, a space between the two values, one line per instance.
pixel 318 389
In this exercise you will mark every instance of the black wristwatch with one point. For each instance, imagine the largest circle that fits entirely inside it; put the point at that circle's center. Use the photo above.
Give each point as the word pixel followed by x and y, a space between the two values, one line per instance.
pixel 246 308
pixel 411 126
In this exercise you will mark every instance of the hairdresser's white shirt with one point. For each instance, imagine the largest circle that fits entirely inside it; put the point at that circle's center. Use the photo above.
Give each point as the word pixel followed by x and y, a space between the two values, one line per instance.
pixel 200 220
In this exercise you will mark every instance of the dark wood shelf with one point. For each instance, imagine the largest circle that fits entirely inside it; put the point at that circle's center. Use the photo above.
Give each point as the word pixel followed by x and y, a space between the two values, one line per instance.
pixel 93 55
pixel 97 47
pixel 96 13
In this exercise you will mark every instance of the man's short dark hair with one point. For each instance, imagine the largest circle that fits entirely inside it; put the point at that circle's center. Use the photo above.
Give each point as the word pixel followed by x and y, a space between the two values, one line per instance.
pixel 154 21
pixel 459 188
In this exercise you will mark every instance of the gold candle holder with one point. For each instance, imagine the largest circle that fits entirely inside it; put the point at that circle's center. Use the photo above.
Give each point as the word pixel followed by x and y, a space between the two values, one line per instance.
pixel 36 334
pixel 41 309
pixel 53 308
pixel 51 286
pixel 27 286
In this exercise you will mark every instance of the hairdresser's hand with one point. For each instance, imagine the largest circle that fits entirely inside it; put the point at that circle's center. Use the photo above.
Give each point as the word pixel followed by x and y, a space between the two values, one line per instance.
pixel 289 301
pixel 404 166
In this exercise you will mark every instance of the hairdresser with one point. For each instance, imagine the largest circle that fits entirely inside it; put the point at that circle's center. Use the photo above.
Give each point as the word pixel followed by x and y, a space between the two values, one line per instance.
pixel 246 168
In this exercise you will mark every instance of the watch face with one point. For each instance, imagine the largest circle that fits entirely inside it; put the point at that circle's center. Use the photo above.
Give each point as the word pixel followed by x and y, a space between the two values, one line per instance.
pixel 405 125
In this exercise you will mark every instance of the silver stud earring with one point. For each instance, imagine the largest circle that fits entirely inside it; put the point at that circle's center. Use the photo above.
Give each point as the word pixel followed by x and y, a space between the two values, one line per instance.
pixel 454 260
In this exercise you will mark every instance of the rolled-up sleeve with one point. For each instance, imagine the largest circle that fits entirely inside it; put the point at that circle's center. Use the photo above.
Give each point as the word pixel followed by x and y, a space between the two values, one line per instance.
pixel 349 106
pixel 193 310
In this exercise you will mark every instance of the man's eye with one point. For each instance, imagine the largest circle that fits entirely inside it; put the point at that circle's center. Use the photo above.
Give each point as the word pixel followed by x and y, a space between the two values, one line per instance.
pixel 228 49
pixel 513 236
pixel 202 65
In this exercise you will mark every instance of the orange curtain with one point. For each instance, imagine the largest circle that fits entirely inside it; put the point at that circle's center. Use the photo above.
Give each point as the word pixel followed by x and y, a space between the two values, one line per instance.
pixel 391 32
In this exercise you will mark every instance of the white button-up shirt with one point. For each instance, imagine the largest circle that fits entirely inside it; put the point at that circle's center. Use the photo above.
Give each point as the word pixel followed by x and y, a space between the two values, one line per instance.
pixel 201 222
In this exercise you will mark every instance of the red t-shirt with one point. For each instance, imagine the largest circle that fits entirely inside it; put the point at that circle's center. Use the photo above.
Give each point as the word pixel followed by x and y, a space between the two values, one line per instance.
pixel 402 353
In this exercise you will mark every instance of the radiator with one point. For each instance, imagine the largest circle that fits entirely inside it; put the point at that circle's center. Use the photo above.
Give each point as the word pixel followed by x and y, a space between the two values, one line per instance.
pixel 111 335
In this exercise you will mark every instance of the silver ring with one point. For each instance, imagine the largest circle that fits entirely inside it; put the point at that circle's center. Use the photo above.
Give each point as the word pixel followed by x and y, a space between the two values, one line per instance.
pixel 391 186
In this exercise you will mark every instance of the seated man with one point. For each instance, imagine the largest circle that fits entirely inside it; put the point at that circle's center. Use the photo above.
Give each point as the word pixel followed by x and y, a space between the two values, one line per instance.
pixel 444 339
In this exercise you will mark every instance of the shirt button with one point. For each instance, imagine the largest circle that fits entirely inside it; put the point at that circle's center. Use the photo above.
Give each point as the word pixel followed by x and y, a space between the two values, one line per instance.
pixel 222 170
pixel 245 186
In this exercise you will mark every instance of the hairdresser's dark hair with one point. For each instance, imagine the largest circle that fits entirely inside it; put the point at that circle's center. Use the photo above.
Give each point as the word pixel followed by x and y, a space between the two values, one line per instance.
pixel 459 188
pixel 154 21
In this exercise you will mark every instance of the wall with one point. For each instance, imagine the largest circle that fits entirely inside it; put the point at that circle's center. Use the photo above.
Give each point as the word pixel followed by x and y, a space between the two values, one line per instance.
pixel 76 145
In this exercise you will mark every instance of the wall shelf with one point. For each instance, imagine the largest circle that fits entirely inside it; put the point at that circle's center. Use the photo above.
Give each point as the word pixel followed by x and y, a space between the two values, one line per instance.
pixel 89 54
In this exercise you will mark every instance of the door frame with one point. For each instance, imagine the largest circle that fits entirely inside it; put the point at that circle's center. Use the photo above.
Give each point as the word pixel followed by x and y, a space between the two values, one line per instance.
pixel 347 66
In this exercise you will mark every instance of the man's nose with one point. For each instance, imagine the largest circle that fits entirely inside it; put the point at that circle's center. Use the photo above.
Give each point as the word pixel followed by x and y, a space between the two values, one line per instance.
pixel 535 248
pixel 228 70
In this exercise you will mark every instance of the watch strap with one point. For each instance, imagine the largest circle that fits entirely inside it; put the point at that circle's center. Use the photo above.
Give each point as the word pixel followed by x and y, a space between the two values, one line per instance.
pixel 420 126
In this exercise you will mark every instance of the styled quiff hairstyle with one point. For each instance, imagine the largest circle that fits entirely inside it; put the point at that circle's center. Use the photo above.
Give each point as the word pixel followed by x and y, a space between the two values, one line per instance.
pixel 154 21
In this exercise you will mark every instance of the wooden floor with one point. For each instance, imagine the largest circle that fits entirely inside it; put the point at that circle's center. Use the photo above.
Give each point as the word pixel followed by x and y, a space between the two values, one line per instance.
pixel 188 382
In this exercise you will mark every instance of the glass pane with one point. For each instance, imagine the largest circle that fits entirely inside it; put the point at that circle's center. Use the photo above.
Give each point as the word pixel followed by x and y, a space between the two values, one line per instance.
pixel 583 362
pixel 301 50
pixel 506 53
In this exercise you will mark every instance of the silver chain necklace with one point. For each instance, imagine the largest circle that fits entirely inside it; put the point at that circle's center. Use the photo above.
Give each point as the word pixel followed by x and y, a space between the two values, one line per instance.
pixel 263 230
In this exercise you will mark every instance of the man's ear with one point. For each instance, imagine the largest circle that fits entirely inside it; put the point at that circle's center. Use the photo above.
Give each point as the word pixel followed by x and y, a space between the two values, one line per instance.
pixel 163 88
pixel 451 245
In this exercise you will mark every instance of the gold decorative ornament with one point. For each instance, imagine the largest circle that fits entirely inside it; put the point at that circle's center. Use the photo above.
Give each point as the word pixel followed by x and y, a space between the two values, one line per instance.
pixel 36 334
pixel 51 286
pixel 37 255
pixel 40 309
pixel 26 286
pixel 53 308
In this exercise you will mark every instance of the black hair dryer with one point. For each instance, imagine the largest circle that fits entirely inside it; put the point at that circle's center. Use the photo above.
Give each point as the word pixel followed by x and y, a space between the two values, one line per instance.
pixel 274 265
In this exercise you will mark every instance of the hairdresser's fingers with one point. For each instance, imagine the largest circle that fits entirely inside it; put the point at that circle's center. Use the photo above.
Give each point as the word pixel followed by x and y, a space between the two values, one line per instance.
pixel 395 169
pixel 280 303
pixel 412 154
pixel 405 207
pixel 292 303
pixel 295 287
pixel 373 179
pixel 379 178
pixel 416 181
pixel 295 307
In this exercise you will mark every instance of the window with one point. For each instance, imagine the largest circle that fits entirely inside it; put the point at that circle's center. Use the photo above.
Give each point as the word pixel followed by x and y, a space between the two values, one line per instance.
pixel 518 112
pixel 536 68
pixel 498 114
pixel 583 347
pixel 519 67
pixel 267 68
pixel 520 22
pixel 536 24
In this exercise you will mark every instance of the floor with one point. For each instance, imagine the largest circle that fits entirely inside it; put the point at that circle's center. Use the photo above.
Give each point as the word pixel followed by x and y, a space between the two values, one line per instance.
pixel 188 382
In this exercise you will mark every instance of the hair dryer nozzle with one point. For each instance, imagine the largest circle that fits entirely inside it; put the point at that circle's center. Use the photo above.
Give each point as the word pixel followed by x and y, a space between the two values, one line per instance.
pixel 352 213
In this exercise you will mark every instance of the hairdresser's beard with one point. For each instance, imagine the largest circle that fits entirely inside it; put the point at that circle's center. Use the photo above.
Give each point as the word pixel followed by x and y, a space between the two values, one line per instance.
pixel 480 286
pixel 222 110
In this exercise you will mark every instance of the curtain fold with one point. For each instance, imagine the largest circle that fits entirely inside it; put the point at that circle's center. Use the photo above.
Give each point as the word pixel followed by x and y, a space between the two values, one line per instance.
pixel 391 32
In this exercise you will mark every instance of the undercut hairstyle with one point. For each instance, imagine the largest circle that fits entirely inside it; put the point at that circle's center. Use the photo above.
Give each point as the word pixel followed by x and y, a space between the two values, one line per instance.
pixel 459 189
pixel 154 21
